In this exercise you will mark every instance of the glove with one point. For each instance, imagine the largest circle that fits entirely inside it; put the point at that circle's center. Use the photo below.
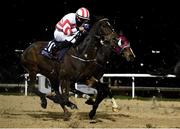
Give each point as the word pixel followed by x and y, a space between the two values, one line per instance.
pixel 86 26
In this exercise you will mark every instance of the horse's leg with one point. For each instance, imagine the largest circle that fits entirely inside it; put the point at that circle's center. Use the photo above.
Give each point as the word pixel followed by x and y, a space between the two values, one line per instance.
pixel 103 91
pixel 57 98
pixel 60 98
pixel 65 89
pixel 32 83
pixel 90 101
pixel 114 104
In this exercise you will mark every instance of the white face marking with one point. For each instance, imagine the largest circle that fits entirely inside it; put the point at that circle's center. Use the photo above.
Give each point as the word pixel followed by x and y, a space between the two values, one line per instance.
pixel 119 42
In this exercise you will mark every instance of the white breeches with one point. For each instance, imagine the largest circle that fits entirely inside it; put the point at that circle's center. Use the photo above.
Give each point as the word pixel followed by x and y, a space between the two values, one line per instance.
pixel 60 36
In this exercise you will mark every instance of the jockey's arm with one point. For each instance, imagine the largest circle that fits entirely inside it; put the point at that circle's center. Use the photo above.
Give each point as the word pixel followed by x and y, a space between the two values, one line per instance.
pixel 83 28
pixel 67 31
pixel 71 31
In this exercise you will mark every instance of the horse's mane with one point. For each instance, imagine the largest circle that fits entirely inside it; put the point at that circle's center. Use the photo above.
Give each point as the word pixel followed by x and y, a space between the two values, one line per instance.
pixel 89 42
pixel 95 18
pixel 88 46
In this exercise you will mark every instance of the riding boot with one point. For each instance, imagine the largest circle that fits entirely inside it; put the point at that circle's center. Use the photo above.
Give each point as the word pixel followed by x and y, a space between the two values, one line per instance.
pixel 50 50
pixel 55 46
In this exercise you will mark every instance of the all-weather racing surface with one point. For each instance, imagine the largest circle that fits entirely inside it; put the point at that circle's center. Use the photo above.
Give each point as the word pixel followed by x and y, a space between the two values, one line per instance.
pixel 26 112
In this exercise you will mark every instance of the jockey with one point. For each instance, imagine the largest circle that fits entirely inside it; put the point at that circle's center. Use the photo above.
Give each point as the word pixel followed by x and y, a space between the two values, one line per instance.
pixel 68 29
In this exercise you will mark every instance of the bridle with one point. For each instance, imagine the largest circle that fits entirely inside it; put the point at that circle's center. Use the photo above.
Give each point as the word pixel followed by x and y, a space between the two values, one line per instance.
pixel 113 37
pixel 103 37
pixel 122 46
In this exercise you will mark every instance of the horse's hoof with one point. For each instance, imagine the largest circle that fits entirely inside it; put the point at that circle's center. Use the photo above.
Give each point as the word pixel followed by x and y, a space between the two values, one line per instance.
pixel 43 103
pixel 67 116
pixel 93 122
pixel 92 114
pixel 73 106
pixel 115 109
pixel 90 102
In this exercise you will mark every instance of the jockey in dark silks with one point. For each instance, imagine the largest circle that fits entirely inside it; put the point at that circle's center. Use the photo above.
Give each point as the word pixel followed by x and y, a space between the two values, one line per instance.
pixel 67 30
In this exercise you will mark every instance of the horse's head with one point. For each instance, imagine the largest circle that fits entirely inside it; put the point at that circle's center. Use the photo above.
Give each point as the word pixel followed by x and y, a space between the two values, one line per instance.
pixel 122 46
pixel 108 37
pixel 105 31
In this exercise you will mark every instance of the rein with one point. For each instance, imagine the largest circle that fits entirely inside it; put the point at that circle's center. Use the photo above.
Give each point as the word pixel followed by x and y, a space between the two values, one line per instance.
pixel 102 39
pixel 81 59
pixel 84 60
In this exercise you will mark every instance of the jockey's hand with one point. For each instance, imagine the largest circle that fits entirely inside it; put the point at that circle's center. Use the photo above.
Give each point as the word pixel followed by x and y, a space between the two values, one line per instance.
pixel 81 29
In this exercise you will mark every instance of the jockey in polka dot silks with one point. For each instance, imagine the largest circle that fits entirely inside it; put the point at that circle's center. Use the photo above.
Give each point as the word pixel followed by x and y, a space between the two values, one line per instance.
pixel 68 29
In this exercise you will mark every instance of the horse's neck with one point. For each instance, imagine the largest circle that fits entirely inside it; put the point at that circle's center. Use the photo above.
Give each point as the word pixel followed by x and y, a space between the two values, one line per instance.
pixel 87 48
pixel 103 55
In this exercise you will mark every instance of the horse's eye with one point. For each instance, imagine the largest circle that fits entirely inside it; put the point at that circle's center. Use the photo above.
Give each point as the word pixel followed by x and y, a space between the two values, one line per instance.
pixel 114 39
pixel 104 26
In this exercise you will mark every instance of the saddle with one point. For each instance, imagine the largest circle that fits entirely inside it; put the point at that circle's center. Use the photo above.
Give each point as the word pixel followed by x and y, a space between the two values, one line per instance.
pixel 58 51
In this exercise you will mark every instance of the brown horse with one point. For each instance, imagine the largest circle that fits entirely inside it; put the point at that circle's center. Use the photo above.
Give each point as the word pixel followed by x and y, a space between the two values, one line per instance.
pixel 82 63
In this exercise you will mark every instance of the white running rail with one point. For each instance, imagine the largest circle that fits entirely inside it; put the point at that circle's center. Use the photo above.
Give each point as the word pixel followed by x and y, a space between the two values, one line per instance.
pixel 133 76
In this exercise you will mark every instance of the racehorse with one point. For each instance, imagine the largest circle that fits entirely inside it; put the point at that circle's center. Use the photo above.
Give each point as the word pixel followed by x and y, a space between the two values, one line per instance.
pixel 81 63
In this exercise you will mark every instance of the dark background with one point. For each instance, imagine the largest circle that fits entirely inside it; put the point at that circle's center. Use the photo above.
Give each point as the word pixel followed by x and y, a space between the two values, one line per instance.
pixel 149 26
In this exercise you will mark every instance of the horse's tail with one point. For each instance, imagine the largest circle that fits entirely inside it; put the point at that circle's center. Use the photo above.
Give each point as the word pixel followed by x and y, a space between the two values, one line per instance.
pixel 19 52
pixel 29 55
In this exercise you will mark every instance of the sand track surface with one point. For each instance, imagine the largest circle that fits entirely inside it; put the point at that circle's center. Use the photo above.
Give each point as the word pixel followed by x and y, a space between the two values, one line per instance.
pixel 26 112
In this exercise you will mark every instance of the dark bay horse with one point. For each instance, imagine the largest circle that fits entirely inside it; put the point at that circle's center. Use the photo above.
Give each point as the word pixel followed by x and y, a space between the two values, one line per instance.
pixel 82 63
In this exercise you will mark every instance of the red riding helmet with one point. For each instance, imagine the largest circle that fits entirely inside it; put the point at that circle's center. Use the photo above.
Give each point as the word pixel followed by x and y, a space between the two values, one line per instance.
pixel 83 13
